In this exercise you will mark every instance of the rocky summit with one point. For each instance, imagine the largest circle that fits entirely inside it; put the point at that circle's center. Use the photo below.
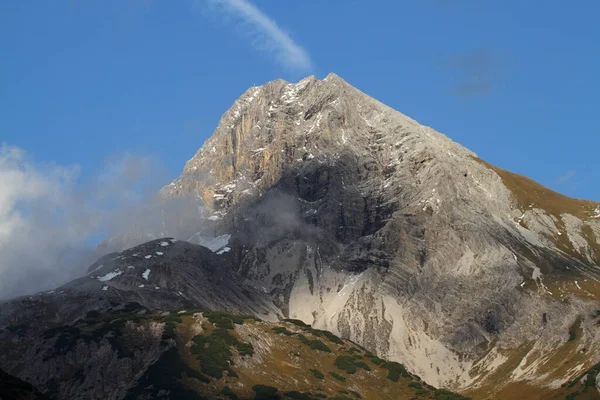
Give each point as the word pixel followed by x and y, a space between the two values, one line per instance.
pixel 326 207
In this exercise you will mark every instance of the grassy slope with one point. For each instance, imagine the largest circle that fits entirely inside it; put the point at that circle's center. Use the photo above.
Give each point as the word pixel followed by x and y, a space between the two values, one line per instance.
pixel 528 194
pixel 287 360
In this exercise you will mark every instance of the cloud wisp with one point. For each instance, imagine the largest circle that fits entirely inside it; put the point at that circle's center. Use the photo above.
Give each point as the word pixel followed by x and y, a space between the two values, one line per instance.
pixel 265 34
pixel 563 179
pixel 52 218
pixel 476 72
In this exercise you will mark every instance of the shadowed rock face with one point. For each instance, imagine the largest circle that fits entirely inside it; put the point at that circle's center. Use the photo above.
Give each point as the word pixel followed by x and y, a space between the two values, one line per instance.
pixel 327 206
pixel 14 388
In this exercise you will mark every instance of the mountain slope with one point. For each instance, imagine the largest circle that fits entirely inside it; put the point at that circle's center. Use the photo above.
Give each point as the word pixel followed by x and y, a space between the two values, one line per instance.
pixel 129 352
pixel 357 219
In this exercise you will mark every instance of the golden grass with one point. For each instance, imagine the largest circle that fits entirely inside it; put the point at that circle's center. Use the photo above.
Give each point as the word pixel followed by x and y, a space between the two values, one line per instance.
pixel 526 191
pixel 287 373
pixel 528 194
pixel 280 368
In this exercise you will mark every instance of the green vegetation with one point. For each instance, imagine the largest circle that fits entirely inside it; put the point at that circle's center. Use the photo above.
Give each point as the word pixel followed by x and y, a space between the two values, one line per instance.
pixel 317 332
pixel 443 394
pixel 264 392
pixel 346 363
pixel 226 391
pixel 337 376
pixel 165 375
pixel 395 370
pixel 374 359
pixel 245 349
pixel 223 320
pixel 314 344
pixel 295 395
pixel 317 374
pixel 350 364
pixel 572 396
pixel 297 322
pixel 171 322
pixel 283 330
pixel 214 352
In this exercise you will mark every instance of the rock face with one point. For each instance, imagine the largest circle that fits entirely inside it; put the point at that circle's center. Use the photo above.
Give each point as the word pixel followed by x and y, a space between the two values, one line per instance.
pixel 359 220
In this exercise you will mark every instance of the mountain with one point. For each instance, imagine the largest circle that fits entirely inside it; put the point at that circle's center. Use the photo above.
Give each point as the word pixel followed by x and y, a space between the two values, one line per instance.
pixel 323 205
pixel 359 220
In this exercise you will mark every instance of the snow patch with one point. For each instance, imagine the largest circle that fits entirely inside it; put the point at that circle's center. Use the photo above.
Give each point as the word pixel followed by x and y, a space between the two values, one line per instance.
pixel 105 288
pixel 146 274
pixel 164 244
pixel 223 250
pixel 148 256
pixel 159 253
pixel 213 244
pixel 110 275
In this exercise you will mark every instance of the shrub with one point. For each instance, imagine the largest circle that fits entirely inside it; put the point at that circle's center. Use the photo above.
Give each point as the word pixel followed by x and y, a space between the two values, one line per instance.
pixel 282 330
pixel 264 392
pixel 314 344
pixel 395 370
pixel 226 391
pixel 317 374
pixel 294 394
pixel 374 359
pixel 346 363
pixel 245 349
pixel 337 376
pixel 214 352
pixel 443 394
pixel 297 322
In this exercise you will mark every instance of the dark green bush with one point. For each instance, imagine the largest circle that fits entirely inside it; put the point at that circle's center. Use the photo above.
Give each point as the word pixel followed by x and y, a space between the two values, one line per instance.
pixel 443 394
pixel 337 376
pixel 245 349
pixel 317 374
pixel 346 363
pixel 226 391
pixel 282 330
pixel 264 392
pixel 395 370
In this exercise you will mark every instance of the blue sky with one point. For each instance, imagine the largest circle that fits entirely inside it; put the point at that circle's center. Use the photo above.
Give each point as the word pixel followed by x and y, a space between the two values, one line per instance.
pixel 514 81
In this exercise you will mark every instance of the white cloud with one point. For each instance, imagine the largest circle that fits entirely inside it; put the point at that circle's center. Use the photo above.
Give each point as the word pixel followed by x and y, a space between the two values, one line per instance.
pixel 51 218
pixel 266 35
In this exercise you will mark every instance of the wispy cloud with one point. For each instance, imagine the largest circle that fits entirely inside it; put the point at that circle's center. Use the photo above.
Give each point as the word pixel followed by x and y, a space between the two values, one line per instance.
pixel 265 35
pixel 476 72
pixel 51 214
pixel 564 178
